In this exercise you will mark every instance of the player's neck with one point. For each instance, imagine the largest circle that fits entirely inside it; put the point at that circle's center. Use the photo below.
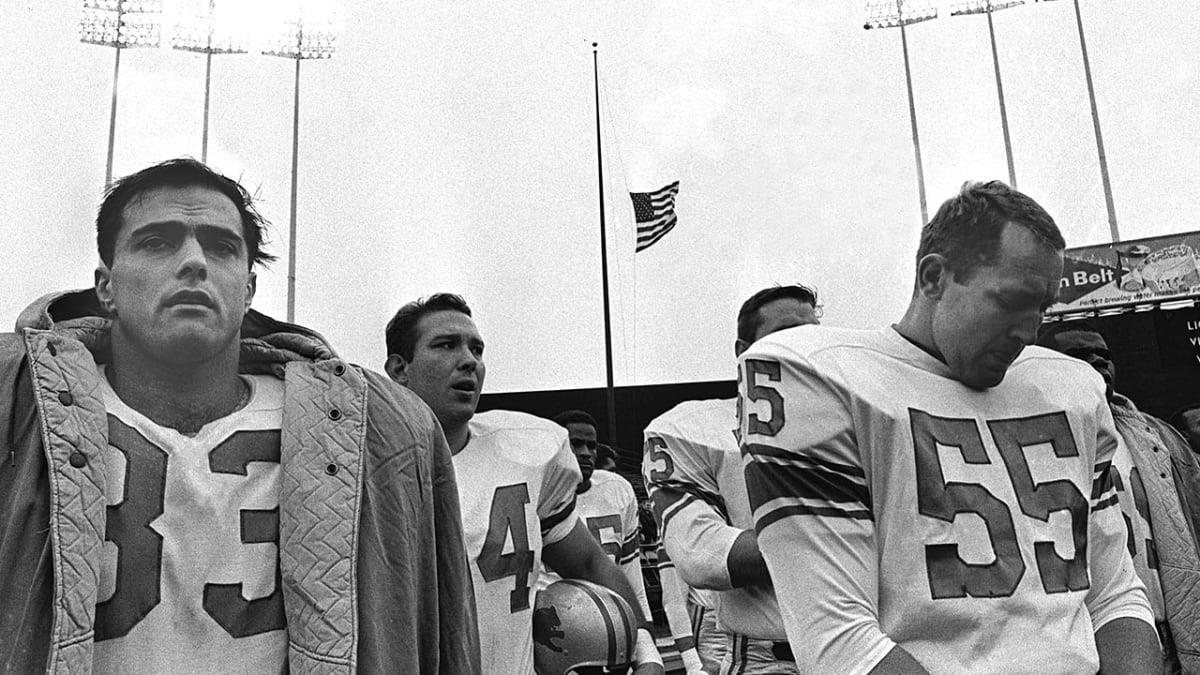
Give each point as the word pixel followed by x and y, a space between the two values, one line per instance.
pixel 917 329
pixel 584 486
pixel 457 437
pixel 182 397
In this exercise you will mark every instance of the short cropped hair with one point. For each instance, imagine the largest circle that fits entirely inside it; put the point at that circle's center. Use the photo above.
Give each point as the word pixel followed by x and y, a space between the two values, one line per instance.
pixel 748 320
pixel 1049 332
pixel 575 416
pixel 183 172
pixel 966 228
pixel 401 332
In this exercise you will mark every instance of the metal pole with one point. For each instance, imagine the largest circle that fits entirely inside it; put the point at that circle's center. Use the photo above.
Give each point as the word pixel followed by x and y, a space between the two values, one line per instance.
pixel 112 118
pixel 291 298
pixel 207 86
pixel 912 114
pixel 1087 73
pixel 1012 172
pixel 608 357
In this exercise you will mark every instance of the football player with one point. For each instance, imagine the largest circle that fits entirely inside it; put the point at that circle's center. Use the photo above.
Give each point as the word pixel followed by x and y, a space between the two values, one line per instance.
pixel 1158 483
pixel 693 471
pixel 934 497
pixel 517 479
pixel 606 504
pixel 190 486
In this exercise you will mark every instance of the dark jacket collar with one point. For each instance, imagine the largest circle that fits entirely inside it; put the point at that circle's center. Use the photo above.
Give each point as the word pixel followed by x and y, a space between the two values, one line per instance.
pixel 267 344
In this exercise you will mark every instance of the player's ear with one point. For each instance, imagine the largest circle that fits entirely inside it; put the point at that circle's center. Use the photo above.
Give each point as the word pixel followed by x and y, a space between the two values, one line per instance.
pixel 397 369
pixel 739 346
pixel 932 275
pixel 104 291
pixel 251 288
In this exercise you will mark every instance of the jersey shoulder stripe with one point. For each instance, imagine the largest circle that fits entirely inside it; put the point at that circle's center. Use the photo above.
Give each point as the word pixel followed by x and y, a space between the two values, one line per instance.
pixel 685 446
pixel 806 478
pixel 667 496
pixel 554 519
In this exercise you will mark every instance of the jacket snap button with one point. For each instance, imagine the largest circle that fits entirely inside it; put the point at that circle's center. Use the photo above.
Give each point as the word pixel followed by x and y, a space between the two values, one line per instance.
pixel 1155 448
pixel 339 370
pixel 65 398
pixel 335 414
pixel 77 460
pixel 331 469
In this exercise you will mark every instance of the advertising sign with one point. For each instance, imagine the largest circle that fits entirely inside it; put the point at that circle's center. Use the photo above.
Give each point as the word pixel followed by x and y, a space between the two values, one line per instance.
pixel 1130 273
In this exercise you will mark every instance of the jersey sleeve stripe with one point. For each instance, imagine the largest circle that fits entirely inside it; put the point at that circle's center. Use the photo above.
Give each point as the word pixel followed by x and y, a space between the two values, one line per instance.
pixel 685 643
pixel 713 500
pixel 767 453
pixel 1105 503
pixel 767 482
pixel 549 522
pixel 629 549
pixel 672 508
pixel 780 512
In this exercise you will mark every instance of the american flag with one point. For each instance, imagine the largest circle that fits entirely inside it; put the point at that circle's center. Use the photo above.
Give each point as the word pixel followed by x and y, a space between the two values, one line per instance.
pixel 654 213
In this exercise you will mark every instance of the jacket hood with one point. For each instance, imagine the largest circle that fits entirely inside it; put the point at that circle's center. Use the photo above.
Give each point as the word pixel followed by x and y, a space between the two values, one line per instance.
pixel 267 344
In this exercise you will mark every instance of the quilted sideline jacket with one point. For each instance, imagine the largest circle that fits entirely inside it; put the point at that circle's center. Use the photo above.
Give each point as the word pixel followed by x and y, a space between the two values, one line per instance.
pixel 1171 476
pixel 375 577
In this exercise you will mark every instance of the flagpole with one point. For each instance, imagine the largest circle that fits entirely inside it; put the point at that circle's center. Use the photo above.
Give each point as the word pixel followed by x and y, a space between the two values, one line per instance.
pixel 608 357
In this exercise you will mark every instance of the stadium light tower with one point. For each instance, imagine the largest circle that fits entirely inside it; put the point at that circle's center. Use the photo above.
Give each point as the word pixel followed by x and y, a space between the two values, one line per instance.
pixel 898 14
pixel 987 7
pixel 307 31
pixel 120 24
pixel 210 27
pixel 1091 90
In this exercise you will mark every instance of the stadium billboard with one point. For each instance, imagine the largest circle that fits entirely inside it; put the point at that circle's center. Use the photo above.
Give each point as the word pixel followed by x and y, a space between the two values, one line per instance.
pixel 1125 273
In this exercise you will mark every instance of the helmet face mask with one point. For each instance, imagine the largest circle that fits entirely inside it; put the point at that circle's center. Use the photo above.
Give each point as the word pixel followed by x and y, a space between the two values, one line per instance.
pixel 582 628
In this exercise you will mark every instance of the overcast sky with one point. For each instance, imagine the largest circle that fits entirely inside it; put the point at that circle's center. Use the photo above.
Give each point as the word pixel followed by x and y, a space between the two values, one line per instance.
pixel 451 145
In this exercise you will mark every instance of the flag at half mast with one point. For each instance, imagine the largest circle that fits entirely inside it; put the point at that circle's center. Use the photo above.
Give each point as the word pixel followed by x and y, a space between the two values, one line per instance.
pixel 654 213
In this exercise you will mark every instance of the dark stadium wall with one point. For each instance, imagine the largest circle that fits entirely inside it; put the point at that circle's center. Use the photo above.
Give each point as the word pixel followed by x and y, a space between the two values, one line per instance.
pixel 1157 356
pixel 635 407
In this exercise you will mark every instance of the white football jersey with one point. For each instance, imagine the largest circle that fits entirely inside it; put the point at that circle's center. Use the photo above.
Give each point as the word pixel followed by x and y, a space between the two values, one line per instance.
pixel 693 471
pixel 190 572
pixel 516 484
pixel 609 510
pixel 978 530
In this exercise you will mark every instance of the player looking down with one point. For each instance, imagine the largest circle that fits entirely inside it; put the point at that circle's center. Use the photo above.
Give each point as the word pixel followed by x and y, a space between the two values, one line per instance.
pixel 518 479
pixel 693 471
pixel 934 497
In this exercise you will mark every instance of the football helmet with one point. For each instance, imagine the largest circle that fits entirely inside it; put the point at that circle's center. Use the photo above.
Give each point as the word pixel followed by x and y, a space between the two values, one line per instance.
pixel 582 628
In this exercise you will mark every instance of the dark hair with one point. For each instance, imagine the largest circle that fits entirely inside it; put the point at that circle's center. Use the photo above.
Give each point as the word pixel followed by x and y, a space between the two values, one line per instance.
pixel 177 173
pixel 966 228
pixel 1176 418
pixel 1049 332
pixel 401 332
pixel 748 320
pixel 575 417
